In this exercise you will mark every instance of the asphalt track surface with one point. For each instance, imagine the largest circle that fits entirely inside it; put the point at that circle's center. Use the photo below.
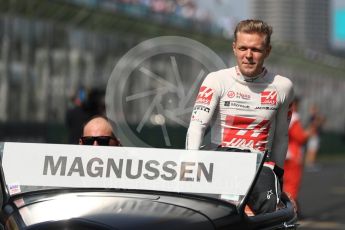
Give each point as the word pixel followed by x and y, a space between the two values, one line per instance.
pixel 322 196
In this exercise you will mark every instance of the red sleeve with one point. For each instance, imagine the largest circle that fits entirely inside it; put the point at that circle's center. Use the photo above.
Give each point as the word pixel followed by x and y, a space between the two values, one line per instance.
pixel 297 133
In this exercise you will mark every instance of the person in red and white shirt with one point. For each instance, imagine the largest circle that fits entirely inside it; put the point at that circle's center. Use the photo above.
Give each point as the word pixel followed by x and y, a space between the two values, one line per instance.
pixel 293 166
pixel 246 106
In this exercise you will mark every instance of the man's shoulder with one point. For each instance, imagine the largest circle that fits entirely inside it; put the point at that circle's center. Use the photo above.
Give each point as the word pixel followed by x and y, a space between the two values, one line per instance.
pixel 284 87
pixel 223 73
pixel 281 82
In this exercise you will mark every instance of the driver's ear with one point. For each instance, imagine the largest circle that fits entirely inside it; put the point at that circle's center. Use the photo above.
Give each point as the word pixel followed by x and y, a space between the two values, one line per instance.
pixel 234 47
pixel 268 51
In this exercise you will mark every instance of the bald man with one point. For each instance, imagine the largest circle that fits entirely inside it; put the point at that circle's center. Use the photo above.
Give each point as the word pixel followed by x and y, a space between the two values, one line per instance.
pixel 98 131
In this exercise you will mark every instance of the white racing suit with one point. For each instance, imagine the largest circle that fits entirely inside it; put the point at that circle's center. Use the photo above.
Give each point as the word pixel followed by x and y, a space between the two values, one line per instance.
pixel 244 113
pixel 250 114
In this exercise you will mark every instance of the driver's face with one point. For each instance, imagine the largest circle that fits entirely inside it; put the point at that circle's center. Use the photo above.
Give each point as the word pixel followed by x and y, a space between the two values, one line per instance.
pixel 250 51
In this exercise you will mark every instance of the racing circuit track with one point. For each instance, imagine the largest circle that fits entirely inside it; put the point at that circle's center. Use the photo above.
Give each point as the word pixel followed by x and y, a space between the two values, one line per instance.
pixel 322 197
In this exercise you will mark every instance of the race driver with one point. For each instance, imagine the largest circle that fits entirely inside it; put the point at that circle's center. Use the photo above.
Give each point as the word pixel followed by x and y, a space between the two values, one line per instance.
pixel 247 106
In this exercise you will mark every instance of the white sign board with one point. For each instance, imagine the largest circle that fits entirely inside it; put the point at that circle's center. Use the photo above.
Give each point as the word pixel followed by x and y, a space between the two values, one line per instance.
pixel 126 167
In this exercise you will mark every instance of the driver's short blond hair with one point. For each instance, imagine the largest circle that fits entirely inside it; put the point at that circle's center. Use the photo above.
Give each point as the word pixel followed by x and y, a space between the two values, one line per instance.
pixel 254 26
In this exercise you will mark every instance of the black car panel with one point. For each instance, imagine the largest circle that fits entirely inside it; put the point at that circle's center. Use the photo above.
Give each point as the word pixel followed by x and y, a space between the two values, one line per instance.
pixel 120 210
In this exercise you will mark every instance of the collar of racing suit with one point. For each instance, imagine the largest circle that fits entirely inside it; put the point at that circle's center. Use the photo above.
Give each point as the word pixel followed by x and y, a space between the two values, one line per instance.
pixel 257 78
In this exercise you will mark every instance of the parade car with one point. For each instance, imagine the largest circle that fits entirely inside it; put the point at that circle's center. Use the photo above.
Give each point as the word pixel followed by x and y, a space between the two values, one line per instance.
pixel 50 186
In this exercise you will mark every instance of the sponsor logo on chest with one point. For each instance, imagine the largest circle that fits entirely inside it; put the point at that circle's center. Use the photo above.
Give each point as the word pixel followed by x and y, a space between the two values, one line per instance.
pixel 236 105
pixel 245 132
pixel 269 98
pixel 238 95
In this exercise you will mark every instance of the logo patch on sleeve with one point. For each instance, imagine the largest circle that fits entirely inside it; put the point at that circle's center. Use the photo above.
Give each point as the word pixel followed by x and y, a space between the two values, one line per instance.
pixel 205 95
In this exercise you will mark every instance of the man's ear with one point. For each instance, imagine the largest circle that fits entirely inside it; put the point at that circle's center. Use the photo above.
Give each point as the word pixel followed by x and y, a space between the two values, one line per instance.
pixel 80 142
pixel 234 47
pixel 268 51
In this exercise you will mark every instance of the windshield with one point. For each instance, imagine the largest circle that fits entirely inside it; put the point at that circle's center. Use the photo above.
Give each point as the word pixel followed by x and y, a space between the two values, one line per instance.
pixel 31 167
